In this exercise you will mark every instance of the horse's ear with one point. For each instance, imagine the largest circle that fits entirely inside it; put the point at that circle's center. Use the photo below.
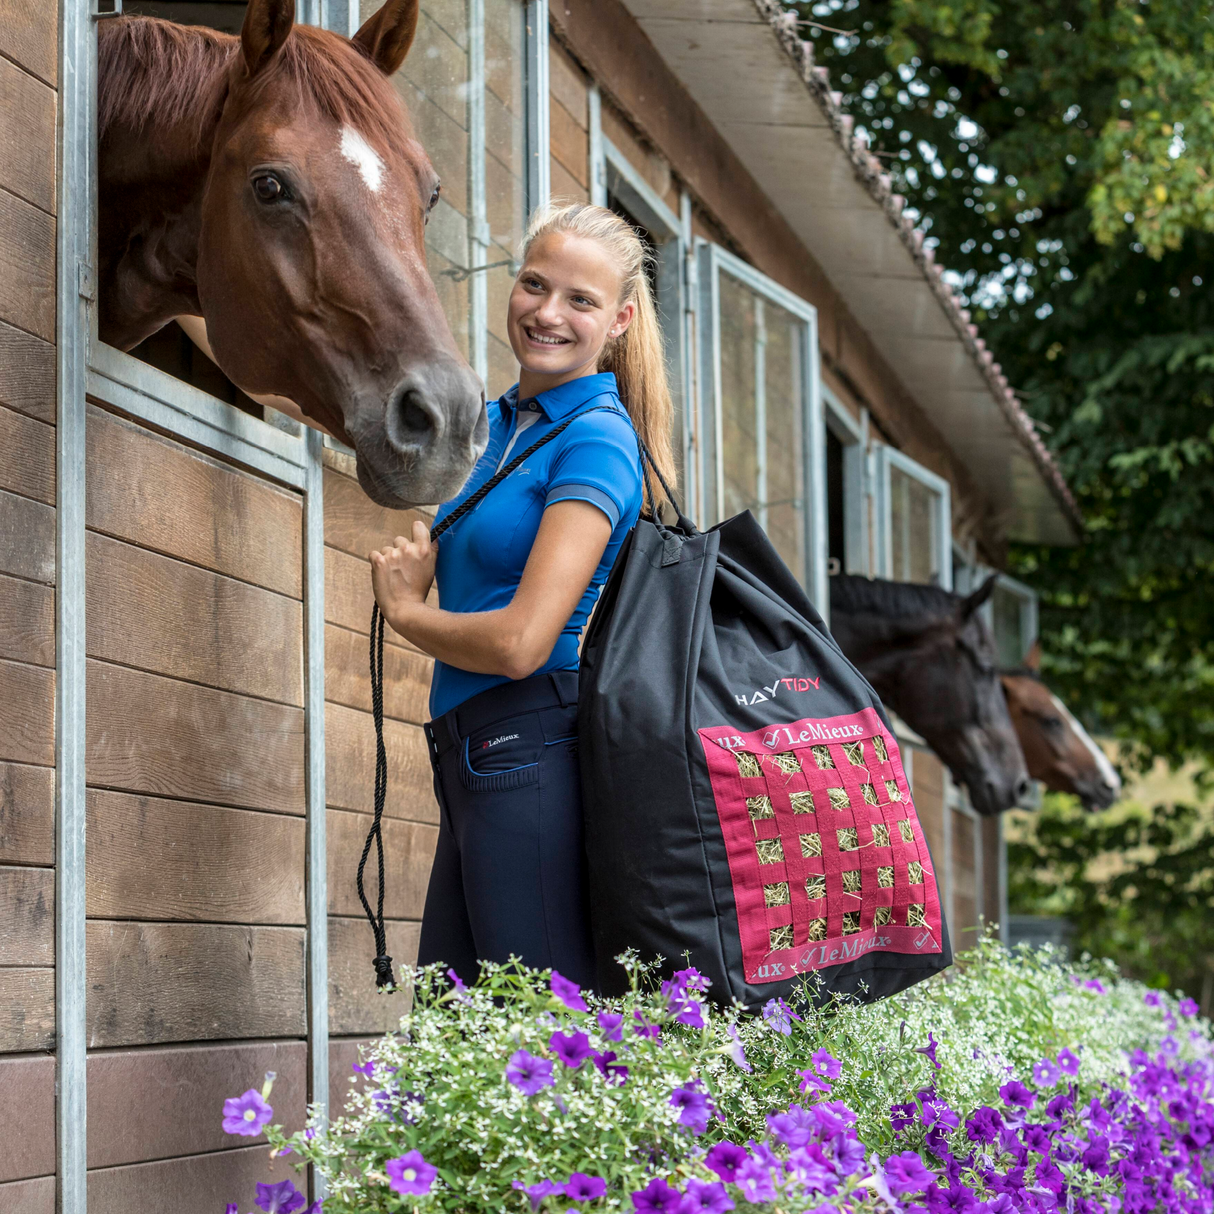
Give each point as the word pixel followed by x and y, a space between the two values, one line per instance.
pixel 972 602
pixel 266 26
pixel 1032 659
pixel 388 35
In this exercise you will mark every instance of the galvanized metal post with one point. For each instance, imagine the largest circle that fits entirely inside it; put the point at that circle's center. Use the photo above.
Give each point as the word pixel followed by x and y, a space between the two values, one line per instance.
pixel 74 289
pixel 598 159
pixel 539 185
pixel 816 576
pixel 761 410
pixel 478 203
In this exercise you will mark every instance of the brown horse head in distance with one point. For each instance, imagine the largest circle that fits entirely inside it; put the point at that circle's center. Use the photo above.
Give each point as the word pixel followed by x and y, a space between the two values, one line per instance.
pixel 1058 750
pixel 931 658
pixel 270 183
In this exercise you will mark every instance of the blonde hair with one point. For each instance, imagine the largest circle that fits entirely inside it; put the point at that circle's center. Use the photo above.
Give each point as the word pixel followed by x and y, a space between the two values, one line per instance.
pixel 637 357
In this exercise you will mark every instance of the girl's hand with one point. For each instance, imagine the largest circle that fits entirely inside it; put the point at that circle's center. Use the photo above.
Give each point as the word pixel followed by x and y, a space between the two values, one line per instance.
pixel 403 572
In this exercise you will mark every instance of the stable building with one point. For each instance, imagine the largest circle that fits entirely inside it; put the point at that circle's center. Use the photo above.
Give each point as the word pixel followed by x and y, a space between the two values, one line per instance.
pixel 186 748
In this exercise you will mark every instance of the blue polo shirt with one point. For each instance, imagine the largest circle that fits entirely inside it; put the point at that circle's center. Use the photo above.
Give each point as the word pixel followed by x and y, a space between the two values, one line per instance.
pixel 481 559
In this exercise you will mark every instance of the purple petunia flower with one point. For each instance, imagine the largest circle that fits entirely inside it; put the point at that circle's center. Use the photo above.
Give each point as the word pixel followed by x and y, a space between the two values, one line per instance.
pixel 571 1048
pixel 706 1197
pixel 1152 999
pixel 833 1117
pixel 1050 1177
pixel 902 1115
pixel 367 1068
pixel 231 1208
pixel 1068 1062
pixel 779 1016
pixel 984 1125
pixel 657 1197
pixel 528 1073
pixel 1188 1007
pixel 725 1159
pixel 612 1071
pixel 611 1024
pixel 827 1065
pixel 1096 1157
pixel 906 1173
pixel 410 1174
pixel 569 993
pixel 1094 984
pixel 281 1198
pixel 643 1028
pixel 1036 1138
pixel 247 1115
pixel 1016 1096
pixel 691 1014
pixel 794 1128
pixel 694 1106
pixel 580 1187
pixel 754 1179
pixel 849 1153
pixel 457 982
pixel 811 1083
pixel 929 1051
pixel 735 1050
pixel 538 1191
pixel 1045 1073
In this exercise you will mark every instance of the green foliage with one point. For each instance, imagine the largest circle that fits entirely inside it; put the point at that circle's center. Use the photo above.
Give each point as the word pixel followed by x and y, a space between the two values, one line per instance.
pixel 1059 156
pixel 1137 886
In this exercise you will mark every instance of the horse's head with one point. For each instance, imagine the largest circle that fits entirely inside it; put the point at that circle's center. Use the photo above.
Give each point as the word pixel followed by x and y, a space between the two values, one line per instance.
pixel 1058 750
pixel 930 656
pixel 311 266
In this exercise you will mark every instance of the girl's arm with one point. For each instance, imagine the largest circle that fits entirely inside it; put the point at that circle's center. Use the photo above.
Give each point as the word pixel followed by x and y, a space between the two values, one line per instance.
pixel 514 641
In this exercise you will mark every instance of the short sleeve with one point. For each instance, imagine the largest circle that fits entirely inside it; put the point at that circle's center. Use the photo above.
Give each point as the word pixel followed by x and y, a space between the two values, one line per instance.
pixel 598 463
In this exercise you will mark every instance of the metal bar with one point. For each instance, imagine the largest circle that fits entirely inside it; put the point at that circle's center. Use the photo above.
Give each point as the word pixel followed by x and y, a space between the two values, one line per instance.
pixel 314 733
pixel 598 159
pixel 1003 923
pixel 478 203
pixel 73 289
pixel 817 576
pixel 340 16
pixel 539 177
pixel 761 410
pixel 691 376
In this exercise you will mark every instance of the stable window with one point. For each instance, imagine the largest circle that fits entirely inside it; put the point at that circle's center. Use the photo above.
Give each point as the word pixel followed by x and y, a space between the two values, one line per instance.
pixel 1013 619
pixel 913 524
pixel 846 499
pixel 761 412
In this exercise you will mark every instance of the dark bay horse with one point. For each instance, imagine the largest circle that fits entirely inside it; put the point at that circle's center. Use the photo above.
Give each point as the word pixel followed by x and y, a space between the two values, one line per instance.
pixel 931 658
pixel 270 184
pixel 1058 750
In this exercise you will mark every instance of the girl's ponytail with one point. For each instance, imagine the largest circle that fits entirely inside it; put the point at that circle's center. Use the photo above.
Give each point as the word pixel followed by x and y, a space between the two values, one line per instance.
pixel 637 357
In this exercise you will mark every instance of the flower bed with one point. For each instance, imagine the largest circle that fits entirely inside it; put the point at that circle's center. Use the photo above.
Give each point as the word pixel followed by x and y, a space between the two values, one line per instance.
pixel 1014 1083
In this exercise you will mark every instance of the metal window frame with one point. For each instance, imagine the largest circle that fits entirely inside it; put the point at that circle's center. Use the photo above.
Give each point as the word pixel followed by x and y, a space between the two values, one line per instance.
pixel 535 58
pixel 853 434
pixel 1029 608
pixel 885 459
pixel 713 261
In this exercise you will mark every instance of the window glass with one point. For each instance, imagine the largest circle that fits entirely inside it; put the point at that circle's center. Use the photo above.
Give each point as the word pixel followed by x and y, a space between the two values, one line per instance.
pixel 836 529
pixel 762 420
pixel 1008 612
pixel 913 547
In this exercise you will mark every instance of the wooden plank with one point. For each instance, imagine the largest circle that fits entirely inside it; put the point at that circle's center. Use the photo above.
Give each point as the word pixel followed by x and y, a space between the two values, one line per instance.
pixel 27 910
pixel 348 596
pixel 355 524
pixel 27 538
pixel 27 622
pixel 161 495
pixel 27 136
pixel 28 1196
pixel 27 814
pixel 27 370
pixel 193 624
pixel 156 859
pixel 27 1010
pixel 29 35
pixel 343 1054
pixel 570 144
pixel 27 714
pixel 992 903
pixel 207 1182
pixel 564 186
pixel 350 766
pixel 927 791
pixel 27 266
pixel 155 1103
pixel 348 680
pixel 964 883
pixel 153 983
pixel 151 734
pixel 567 83
pixel 27 1117
pixel 355 1005
pixel 27 455
pixel 408 853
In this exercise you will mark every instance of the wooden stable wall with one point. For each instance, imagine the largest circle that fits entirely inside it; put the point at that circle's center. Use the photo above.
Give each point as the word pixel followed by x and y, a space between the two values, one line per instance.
pixel 28 79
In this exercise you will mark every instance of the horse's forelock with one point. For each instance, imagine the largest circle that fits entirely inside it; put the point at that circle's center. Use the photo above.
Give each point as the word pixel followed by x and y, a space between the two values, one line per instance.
pixel 876 596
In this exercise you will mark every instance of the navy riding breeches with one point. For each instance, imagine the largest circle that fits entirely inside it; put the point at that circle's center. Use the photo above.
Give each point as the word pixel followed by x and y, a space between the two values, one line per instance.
pixel 509 875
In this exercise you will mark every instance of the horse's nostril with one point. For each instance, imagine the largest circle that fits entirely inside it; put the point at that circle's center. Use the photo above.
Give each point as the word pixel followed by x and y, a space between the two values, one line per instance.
pixel 413 420
pixel 1024 786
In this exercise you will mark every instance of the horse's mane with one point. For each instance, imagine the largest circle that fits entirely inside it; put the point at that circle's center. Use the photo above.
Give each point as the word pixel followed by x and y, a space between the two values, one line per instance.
pixel 878 597
pixel 158 72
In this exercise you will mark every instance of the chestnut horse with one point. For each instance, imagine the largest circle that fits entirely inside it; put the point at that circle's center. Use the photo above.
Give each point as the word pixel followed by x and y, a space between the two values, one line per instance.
pixel 1057 749
pixel 931 658
pixel 270 184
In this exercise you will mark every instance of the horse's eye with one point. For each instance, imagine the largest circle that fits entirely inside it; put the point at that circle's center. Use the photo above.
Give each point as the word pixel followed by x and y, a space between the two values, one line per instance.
pixel 268 188
pixel 438 189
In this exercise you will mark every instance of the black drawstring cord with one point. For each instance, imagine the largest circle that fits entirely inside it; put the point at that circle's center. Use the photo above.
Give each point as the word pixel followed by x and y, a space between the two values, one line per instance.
pixel 383 963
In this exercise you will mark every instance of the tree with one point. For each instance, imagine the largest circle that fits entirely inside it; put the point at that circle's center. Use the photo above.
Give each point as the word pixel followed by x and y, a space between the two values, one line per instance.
pixel 1059 156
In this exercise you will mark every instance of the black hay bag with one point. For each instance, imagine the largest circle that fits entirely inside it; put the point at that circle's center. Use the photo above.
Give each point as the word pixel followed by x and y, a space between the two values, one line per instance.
pixel 745 800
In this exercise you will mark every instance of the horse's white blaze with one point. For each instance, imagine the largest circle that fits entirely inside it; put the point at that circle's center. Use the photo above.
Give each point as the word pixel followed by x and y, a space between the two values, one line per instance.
pixel 1108 772
pixel 363 157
